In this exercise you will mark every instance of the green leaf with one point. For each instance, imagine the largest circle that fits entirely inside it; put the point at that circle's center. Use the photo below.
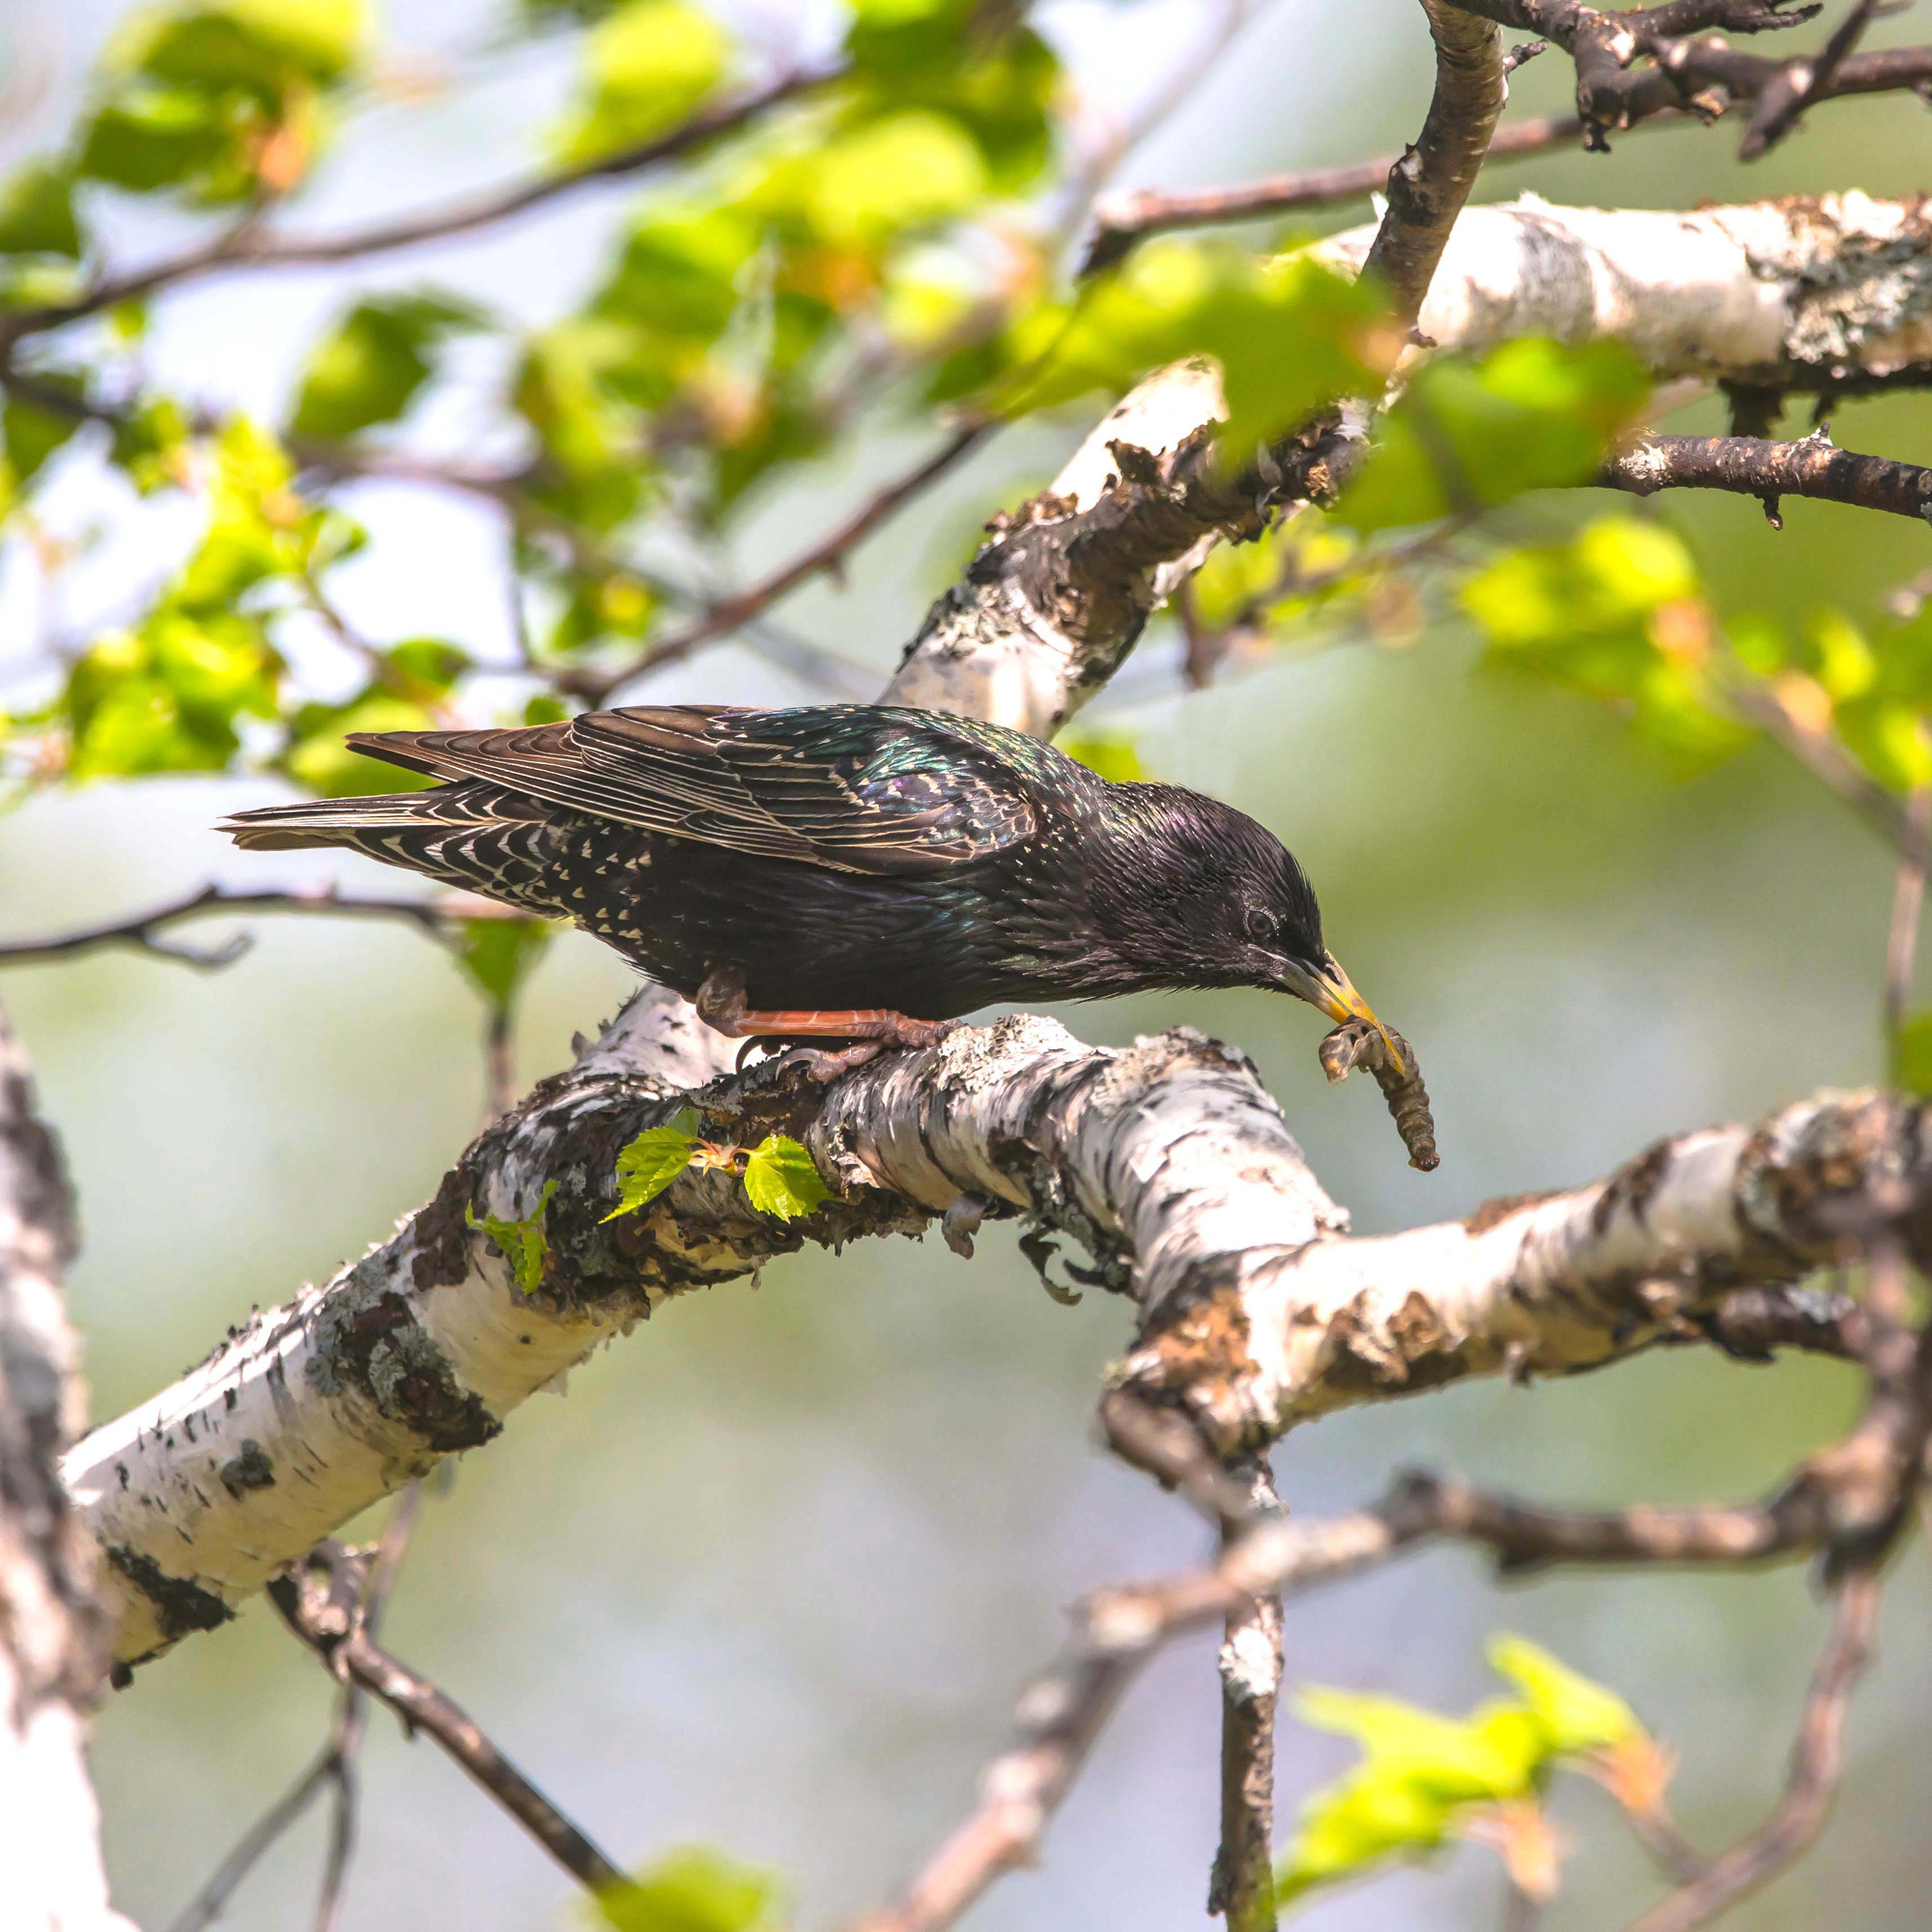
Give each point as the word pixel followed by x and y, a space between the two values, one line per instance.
pixel 1289 335
pixel 652 1161
pixel 37 212
pixel 523 1244
pixel 1911 1054
pixel 781 1179
pixel 1533 414
pixel 693 1890
pixel 653 63
pixel 497 955
pixel 1423 1776
pixel 1113 757
pixel 257 44
pixel 32 434
pixel 906 171
pixel 320 762
pixel 154 137
pixel 1576 1714
pixel 166 695
pixel 370 367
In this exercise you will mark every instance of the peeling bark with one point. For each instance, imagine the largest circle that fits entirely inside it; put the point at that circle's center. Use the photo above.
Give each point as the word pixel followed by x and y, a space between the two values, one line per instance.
pixel 50 1625
pixel 1831 292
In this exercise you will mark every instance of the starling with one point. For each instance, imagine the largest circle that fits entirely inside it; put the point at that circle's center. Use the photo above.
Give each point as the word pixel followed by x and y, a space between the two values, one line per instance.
pixel 851 871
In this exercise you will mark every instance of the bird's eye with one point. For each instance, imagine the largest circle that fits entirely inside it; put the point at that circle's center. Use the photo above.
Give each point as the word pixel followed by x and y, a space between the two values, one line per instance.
pixel 1263 926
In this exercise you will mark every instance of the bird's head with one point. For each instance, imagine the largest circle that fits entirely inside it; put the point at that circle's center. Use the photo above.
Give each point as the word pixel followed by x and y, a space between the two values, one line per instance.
pixel 1247 907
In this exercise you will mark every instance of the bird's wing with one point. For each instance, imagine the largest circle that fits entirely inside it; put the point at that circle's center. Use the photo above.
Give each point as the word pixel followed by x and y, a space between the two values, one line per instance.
pixel 852 787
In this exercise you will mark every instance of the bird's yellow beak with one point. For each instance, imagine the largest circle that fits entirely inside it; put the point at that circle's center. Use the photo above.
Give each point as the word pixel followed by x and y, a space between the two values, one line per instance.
pixel 1330 990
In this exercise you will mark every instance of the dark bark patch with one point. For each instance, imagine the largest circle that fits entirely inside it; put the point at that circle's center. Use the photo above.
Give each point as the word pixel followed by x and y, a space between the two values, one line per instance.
pixel 1633 1185
pixel 251 1469
pixel 179 1605
pixel 381 1350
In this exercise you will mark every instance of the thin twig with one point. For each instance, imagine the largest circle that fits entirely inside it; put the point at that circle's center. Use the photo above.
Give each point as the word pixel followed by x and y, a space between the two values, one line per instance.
pixel 1123 223
pixel 333 1766
pixel 1250 1664
pixel 1427 186
pixel 1817 1762
pixel 1752 465
pixel 231 251
pixel 438 917
pixel 1907 901
pixel 1785 97
pixel 318 1599
pixel 827 553
pixel 499 1061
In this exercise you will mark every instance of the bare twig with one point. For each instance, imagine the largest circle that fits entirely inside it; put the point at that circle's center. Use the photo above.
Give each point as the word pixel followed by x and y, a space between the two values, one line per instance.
pixel 499 1061
pixel 438 917
pixel 1429 184
pixel 1817 1762
pixel 1751 465
pixel 252 249
pixel 1634 64
pixel 1123 223
pixel 334 1765
pixel 1243 1884
pixel 1799 82
pixel 827 553
pixel 1907 901
pixel 319 1599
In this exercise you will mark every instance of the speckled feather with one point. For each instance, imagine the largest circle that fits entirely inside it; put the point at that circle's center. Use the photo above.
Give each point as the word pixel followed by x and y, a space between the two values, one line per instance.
pixel 838 856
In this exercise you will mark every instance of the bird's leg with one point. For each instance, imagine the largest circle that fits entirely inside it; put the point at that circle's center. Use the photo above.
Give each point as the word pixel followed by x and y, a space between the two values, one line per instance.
pixel 720 1004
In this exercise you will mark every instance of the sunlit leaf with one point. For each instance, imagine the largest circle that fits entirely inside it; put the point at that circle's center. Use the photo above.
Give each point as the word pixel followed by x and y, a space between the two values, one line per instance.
pixel 319 761
pixel 1532 414
pixel 1115 758
pixel 1577 1715
pixel 781 1179
pixel 649 1163
pixel 37 212
pixel 523 1244
pixel 652 64
pixel 370 367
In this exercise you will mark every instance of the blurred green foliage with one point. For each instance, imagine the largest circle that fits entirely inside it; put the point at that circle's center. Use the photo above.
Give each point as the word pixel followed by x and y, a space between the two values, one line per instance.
pixel 1425 1778
pixel 874 245
pixel 693 1889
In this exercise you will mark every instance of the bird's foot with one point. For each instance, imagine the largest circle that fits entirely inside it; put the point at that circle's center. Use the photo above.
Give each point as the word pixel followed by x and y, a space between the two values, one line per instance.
pixel 829 1062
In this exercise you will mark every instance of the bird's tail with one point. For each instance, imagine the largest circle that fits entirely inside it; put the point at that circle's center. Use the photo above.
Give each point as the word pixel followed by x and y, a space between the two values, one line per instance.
pixel 475 836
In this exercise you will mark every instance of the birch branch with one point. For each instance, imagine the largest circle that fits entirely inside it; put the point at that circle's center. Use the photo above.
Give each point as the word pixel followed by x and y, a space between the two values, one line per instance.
pixel 1831 295
pixel 1168 1161
pixel 50 1624
pixel 1430 184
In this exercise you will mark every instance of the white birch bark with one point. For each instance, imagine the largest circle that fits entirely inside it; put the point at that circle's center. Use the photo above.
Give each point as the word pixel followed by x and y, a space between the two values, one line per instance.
pixel 50 1872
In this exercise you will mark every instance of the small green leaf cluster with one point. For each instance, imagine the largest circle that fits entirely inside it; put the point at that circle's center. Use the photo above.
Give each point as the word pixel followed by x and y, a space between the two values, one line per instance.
pixel 779 1176
pixel 170 692
pixel 217 101
pixel 1423 1779
pixel 523 1244
pixel 693 1889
